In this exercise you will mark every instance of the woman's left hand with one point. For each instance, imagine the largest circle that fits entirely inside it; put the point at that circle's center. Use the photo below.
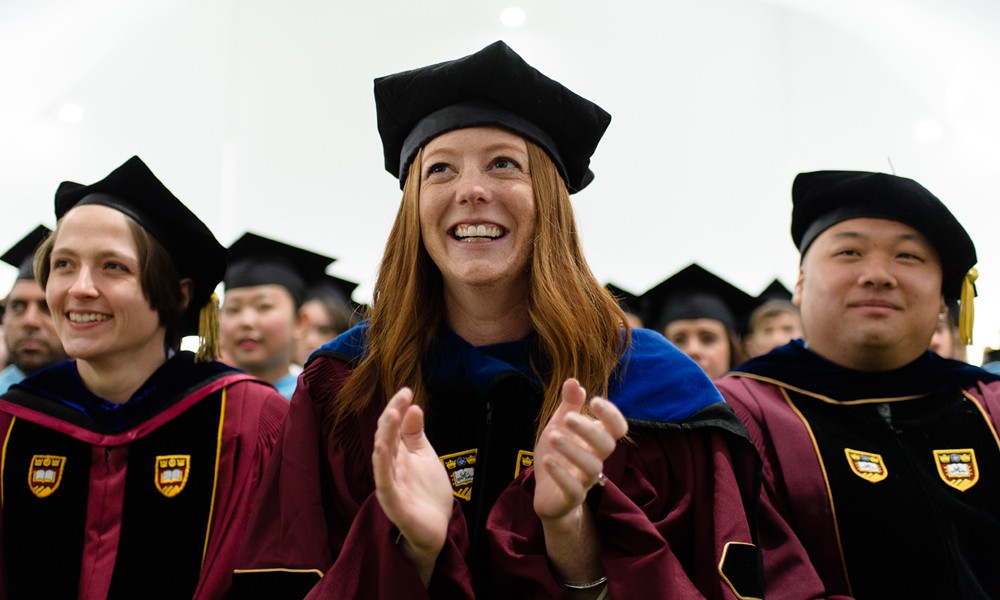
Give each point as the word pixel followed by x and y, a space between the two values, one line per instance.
pixel 570 453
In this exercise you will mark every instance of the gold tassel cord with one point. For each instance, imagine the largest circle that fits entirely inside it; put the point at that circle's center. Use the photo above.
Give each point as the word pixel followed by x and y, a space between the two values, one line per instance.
pixel 966 312
pixel 208 331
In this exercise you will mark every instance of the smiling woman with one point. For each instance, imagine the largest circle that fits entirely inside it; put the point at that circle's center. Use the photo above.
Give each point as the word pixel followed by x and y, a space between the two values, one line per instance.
pixel 488 322
pixel 127 272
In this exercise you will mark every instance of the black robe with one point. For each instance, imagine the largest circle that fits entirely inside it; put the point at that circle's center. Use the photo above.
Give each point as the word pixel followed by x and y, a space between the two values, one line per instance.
pixel 890 481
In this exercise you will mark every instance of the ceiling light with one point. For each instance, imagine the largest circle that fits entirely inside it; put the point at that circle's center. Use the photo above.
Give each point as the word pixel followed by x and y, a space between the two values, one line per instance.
pixel 513 16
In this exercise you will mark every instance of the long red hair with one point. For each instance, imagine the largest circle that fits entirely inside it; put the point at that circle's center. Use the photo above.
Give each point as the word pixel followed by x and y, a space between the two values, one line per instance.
pixel 578 324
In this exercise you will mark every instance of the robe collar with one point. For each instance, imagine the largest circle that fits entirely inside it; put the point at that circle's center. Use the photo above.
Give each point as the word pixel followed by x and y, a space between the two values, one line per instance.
pixel 794 365
pixel 654 382
pixel 59 387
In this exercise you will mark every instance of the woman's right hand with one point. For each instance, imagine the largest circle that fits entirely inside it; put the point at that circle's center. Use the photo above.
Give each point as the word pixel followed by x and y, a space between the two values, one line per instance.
pixel 411 484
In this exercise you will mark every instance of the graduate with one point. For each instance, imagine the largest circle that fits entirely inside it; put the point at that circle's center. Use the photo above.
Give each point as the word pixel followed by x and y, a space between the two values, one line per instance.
pixel 129 471
pixel 265 284
pixel 326 312
pixel 468 440
pixel 880 457
pixel 703 315
pixel 28 331
pixel 774 322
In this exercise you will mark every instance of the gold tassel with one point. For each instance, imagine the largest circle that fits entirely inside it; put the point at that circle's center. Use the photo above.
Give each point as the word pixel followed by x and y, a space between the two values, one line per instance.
pixel 966 312
pixel 208 331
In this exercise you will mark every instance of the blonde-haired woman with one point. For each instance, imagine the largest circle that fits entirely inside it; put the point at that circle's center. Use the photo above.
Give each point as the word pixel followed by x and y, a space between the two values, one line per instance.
pixel 496 466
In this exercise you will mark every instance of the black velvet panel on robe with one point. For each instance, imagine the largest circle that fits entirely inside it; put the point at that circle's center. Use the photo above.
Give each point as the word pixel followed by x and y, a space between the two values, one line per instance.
pixel 905 532
pixel 497 422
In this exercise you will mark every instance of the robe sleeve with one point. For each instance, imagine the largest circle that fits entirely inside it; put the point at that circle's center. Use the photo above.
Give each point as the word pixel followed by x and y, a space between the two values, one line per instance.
pixel 319 531
pixel 789 570
pixel 672 519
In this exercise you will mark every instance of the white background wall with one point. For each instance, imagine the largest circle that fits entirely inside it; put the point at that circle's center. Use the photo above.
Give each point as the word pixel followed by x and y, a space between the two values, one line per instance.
pixel 259 115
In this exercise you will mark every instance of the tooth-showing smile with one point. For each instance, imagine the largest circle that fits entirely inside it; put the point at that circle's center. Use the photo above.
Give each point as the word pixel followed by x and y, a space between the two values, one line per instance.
pixel 86 317
pixel 471 233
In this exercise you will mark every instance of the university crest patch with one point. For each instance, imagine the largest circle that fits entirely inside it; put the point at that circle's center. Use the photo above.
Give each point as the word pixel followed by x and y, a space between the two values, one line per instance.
pixel 866 465
pixel 461 468
pixel 525 458
pixel 45 474
pixel 172 473
pixel 957 468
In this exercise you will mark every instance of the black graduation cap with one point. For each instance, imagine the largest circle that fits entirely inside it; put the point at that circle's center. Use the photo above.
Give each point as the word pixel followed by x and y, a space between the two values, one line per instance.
pixel 695 293
pixel 495 87
pixel 775 291
pixel 134 190
pixel 257 260
pixel 330 289
pixel 824 198
pixel 21 255
pixel 330 286
pixel 628 301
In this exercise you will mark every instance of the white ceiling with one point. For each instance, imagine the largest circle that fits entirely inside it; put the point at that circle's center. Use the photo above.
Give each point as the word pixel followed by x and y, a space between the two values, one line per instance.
pixel 259 115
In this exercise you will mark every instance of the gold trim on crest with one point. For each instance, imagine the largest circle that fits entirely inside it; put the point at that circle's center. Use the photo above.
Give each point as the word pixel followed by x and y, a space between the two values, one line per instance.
pixel 461 468
pixel 171 473
pixel 45 474
pixel 525 458
pixel 866 465
pixel 957 468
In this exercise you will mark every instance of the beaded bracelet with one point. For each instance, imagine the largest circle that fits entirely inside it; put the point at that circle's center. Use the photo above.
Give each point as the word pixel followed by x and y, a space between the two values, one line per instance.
pixel 586 586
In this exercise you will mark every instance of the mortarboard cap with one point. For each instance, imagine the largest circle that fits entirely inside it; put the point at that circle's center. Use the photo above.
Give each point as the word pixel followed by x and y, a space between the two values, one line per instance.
pixel 775 291
pixel 694 293
pixel 21 255
pixel 493 87
pixel 329 286
pixel 628 301
pixel 257 260
pixel 135 191
pixel 824 198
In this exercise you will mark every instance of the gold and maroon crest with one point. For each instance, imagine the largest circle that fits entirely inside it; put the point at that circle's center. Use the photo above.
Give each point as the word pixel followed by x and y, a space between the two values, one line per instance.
pixel 866 465
pixel 172 473
pixel 45 474
pixel 525 458
pixel 461 468
pixel 957 468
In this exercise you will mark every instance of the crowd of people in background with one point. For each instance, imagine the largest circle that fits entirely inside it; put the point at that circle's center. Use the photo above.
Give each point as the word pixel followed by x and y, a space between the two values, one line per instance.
pixel 497 423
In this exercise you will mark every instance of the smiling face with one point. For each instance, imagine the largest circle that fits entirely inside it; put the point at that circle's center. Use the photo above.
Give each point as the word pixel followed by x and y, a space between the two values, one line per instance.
pixel 870 294
pixel 255 329
pixel 94 292
pixel 477 208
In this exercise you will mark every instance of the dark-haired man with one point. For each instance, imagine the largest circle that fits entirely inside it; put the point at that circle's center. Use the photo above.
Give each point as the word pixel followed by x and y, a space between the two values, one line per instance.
pixel 28 331
pixel 881 457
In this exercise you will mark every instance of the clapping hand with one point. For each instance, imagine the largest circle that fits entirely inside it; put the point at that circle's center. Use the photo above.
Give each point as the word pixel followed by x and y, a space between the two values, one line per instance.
pixel 411 484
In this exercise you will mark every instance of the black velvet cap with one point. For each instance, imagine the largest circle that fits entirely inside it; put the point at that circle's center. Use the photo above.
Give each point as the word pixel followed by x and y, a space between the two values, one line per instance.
pixel 21 255
pixel 694 293
pixel 134 190
pixel 493 87
pixel 257 260
pixel 824 198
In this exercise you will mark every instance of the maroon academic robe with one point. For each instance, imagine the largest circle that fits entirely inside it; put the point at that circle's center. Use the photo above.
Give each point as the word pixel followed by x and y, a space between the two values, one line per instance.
pixel 672 516
pixel 850 481
pixel 150 501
